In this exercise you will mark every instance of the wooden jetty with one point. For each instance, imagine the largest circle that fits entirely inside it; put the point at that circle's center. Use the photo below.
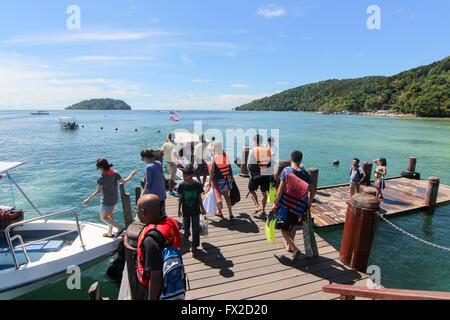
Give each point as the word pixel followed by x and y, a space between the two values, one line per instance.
pixel 401 195
pixel 236 261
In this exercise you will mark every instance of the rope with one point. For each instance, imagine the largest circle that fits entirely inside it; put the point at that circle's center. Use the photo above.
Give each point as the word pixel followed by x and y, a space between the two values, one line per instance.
pixel 411 235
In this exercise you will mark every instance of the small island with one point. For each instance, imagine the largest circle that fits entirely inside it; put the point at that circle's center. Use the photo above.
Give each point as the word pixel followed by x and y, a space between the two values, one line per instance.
pixel 100 104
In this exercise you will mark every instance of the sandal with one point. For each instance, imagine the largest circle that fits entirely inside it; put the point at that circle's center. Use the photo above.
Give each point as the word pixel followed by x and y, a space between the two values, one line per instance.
pixel 257 211
pixel 231 218
pixel 195 253
pixel 295 256
pixel 119 233
pixel 108 235
pixel 219 215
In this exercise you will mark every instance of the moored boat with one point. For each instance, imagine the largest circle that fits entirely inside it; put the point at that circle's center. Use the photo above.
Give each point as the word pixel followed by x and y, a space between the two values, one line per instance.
pixel 68 123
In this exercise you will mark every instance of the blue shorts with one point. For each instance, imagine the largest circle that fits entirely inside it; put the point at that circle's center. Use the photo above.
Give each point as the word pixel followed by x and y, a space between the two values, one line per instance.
pixel 106 208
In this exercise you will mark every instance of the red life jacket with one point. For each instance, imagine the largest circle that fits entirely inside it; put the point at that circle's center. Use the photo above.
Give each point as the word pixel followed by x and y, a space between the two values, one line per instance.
pixel 169 230
pixel 295 195
pixel 222 166
pixel 262 156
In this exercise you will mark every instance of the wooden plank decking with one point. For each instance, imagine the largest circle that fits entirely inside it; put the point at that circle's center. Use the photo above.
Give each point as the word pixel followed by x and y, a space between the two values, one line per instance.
pixel 401 195
pixel 236 261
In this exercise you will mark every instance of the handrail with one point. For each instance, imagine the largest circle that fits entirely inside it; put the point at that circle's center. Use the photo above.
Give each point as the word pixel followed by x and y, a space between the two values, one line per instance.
pixel 348 292
pixel 21 223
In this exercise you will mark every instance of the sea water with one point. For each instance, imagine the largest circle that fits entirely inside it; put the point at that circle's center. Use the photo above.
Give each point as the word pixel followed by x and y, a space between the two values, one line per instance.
pixel 60 172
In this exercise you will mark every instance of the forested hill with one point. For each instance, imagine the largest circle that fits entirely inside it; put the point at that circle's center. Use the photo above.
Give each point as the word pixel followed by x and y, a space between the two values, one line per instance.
pixel 423 91
pixel 100 104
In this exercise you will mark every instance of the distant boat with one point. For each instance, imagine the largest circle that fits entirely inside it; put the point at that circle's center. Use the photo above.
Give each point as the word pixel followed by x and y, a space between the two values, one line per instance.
pixel 346 113
pixel 68 123
pixel 40 113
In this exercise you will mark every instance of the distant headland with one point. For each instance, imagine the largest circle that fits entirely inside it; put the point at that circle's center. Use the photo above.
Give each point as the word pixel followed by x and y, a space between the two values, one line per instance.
pixel 423 91
pixel 100 104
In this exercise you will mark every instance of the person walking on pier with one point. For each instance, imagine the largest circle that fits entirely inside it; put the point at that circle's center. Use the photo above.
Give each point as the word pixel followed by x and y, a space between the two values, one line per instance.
pixel 201 156
pixel 259 165
pixel 108 187
pixel 222 173
pixel 292 200
pixel 154 177
pixel 169 152
pixel 380 173
pixel 357 176
pixel 190 205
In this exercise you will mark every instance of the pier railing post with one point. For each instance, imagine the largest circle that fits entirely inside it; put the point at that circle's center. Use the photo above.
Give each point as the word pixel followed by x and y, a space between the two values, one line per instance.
pixel 359 230
pixel 130 243
pixel 367 167
pixel 314 174
pixel 411 164
pixel 126 206
pixel 432 192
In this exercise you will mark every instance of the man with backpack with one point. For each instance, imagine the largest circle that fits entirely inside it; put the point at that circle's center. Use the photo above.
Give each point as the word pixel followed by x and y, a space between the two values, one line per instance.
pixel 159 270
pixel 357 176
pixel 292 201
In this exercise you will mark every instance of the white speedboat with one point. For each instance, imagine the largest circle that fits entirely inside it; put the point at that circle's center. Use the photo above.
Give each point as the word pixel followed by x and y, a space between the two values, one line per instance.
pixel 39 251
pixel 68 123
pixel 40 113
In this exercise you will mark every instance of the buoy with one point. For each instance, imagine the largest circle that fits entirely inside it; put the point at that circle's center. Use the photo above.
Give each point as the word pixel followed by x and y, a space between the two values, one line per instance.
pixel 82 126
pixel 158 131
pixel 117 129
pixel 135 130
pixel 336 162
pixel 101 128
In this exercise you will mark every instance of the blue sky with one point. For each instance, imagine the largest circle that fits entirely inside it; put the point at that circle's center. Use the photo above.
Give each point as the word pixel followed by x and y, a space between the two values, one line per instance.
pixel 205 54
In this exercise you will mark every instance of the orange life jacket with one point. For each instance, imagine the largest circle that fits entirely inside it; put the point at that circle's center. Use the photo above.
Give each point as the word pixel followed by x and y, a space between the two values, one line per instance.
pixel 262 156
pixel 168 228
pixel 222 166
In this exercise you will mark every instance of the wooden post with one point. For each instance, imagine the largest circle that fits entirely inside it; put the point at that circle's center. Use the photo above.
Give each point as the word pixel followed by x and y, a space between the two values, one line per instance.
pixel 367 167
pixel 359 230
pixel 130 242
pixel 137 193
pixel 314 173
pixel 126 206
pixel 244 161
pixel 432 192
pixel 411 164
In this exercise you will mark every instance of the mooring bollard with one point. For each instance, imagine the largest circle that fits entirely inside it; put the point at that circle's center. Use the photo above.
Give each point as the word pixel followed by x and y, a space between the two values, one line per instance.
pixel 359 230
pixel 432 192
pixel 411 164
pixel 130 242
pixel 314 174
pixel 137 193
pixel 244 160
pixel 126 206
pixel 367 167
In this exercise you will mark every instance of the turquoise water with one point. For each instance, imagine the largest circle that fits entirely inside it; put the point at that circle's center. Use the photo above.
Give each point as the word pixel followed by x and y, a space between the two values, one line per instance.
pixel 60 171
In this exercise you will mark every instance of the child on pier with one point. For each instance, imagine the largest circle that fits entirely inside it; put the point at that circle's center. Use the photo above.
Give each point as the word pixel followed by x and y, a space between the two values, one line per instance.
pixel 108 187
pixel 380 172
pixel 189 205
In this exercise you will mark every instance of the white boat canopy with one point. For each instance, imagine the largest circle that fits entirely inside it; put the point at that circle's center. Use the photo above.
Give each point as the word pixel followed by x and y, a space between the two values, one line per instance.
pixel 5 166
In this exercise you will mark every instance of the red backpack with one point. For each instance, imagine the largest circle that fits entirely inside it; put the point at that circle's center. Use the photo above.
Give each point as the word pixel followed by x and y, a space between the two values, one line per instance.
pixel 8 217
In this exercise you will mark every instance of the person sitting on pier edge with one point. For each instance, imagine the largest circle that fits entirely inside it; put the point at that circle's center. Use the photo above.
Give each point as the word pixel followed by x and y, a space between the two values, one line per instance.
pixel 222 173
pixel 154 176
pixel 292 200
pixel 170 156
pixel 380 173
pixel 259 165
pixel 357 176
pixel 149 261
pixel 190 200
pixel 108 187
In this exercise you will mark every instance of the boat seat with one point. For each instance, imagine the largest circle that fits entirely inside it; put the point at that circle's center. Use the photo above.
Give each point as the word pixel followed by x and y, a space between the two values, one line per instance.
pixel 42 246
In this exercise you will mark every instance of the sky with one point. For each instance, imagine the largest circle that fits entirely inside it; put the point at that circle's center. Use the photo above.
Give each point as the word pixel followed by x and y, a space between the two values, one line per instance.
pixel 205 54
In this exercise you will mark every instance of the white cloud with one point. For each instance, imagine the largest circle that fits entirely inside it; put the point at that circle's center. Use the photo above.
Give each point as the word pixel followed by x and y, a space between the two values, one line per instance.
pixel 239 85
pixel 185 58
pixel 271 11
pixel 201 81
pixel 76 37
pixel 108 58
